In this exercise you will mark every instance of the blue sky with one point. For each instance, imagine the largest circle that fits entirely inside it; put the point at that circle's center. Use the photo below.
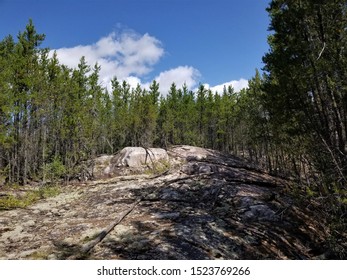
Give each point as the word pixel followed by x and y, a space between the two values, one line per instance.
pixel 213 42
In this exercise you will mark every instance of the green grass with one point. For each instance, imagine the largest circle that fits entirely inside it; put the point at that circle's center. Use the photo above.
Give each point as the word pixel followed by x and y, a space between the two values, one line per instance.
pixel 158 167
pixel 30 197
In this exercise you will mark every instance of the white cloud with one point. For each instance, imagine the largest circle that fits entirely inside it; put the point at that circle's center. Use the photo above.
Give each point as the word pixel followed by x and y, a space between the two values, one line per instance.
pixel 133 81
pixel 180 76
pixel 122 55
pixel 236 84
pixel 130 56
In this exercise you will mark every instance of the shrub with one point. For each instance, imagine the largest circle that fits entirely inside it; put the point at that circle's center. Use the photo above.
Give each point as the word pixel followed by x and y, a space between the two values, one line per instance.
pixel 54 170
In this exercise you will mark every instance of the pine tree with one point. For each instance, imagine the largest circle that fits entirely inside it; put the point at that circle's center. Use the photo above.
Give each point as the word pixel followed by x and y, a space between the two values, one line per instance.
pixel 7 47
pixel 201 114
pixel 306 68
pixel 25 71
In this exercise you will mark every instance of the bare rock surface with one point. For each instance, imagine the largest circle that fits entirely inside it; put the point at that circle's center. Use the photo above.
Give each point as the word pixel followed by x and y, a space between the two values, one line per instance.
pixel 206 206
pixel 126 161
pixel 139 156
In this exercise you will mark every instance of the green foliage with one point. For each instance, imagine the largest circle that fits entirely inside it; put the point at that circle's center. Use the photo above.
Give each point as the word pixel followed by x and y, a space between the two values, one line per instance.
pixel 30 197
pixel 306 80
pixel 53 118
pixel 305 99
pixel 159 167
pixel 54 170
pixel 292 120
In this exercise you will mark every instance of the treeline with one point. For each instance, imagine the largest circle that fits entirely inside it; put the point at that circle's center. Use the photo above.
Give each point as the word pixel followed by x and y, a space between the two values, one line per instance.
pixel 292 119
pixel 54 117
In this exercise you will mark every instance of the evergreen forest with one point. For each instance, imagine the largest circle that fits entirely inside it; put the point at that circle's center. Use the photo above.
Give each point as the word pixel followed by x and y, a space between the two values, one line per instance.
pixel 291 120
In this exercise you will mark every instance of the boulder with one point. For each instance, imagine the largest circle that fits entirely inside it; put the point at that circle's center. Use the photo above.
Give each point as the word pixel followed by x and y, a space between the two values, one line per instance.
pixel 138 157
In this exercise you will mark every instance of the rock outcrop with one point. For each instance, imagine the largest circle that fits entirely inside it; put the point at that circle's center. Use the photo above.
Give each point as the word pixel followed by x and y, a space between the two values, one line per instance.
pixel 206 206
pixel 139 156
pixel 125 162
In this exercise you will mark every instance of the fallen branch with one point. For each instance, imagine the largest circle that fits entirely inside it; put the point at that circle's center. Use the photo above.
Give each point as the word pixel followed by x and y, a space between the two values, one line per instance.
pixel 90 245
pixel 159 175
pixel 118 179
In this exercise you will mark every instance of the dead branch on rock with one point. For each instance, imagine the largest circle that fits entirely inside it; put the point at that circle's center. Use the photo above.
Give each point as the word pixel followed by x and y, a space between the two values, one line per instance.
pixel 90 245
pixel 118 179
pixel 159 175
